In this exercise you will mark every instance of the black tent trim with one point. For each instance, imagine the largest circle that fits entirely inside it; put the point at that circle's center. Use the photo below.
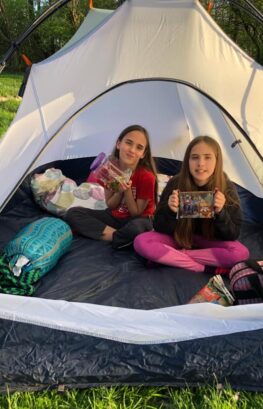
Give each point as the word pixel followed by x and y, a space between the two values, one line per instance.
pixel 99 362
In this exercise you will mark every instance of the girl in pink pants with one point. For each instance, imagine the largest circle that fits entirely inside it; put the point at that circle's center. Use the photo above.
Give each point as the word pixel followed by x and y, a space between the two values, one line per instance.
pixel 197 244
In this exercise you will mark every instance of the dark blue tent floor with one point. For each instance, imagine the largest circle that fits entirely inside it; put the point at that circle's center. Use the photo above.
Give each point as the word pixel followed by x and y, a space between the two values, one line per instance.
pixel 95 273
pixel 35 357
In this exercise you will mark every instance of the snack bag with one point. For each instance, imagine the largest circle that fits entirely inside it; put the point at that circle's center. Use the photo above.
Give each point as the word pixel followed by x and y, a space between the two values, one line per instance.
pixel 215 292
pixel 107 172
pixel 198 204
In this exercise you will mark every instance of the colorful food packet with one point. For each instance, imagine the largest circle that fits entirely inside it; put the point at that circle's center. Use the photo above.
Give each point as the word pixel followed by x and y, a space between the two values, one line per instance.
pixel 215 292
pixel 108 174
pixel 198 204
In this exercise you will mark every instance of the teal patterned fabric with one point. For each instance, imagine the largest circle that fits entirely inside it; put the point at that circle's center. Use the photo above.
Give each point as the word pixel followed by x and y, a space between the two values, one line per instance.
pixel 42 242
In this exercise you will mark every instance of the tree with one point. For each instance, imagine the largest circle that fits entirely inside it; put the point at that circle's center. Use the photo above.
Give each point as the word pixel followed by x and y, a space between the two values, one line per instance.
pixel 17 15
pixel 49 36
pixel 239 24
pixel 12 23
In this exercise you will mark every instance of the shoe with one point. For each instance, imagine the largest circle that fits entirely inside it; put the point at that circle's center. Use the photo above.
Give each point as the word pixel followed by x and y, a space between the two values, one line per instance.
pixel 216 270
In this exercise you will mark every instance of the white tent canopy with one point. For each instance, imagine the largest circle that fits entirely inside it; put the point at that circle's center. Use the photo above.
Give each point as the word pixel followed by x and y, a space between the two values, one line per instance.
pixel 93 19
pixel 155 40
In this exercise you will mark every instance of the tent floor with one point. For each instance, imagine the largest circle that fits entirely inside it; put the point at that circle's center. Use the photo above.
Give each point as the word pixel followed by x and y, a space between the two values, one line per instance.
pixel 93 272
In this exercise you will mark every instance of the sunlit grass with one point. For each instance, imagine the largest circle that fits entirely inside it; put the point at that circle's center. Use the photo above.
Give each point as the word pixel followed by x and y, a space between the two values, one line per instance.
pixel 125 397
pixel 8 110
pixel 9 101
pixel 10 84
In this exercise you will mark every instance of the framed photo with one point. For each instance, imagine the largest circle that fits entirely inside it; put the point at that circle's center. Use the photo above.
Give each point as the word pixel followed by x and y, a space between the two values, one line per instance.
pixel 198 204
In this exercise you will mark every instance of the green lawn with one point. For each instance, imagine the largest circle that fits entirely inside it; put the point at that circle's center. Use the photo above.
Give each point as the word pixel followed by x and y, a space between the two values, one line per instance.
pixel 10 84
pixel 134 398
pixel 122 397
pixel 9 101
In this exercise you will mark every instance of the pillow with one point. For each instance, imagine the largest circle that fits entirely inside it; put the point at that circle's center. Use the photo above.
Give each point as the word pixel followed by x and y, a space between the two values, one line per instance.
pixel 56 194
pixel 47 182
pixel 90 195
pixel 162 182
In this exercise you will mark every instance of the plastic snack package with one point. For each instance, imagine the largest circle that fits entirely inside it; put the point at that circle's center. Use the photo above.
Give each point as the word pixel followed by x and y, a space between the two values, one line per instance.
pixel 106 171
pixel 215 292
pixel 198 204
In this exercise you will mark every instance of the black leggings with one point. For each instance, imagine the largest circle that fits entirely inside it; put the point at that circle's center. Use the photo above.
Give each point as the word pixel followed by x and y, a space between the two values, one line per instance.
pixel 91 223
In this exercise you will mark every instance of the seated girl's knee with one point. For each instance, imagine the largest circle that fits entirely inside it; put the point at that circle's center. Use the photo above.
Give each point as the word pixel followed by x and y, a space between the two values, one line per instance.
pixel 140 241
pixel 142 225
pixel 245 253
pixel 239 253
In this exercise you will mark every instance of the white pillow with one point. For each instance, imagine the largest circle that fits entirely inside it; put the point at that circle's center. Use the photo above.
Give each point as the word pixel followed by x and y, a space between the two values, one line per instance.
pixel 56 194
pixel 90 195
pixel 162 182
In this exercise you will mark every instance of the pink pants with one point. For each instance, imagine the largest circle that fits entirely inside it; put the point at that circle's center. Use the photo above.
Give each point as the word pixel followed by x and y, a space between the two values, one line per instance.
pixel 163 249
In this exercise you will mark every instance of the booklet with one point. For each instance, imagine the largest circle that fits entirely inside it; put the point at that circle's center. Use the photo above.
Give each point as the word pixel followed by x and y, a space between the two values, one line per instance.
pixel 198 204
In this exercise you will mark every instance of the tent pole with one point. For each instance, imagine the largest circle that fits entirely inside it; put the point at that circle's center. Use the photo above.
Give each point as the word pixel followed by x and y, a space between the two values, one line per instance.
pixel 253 13
pixel 254 8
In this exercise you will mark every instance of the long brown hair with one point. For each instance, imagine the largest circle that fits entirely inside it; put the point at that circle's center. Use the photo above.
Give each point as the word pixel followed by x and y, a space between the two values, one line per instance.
pixel 147 161
pixel 219 179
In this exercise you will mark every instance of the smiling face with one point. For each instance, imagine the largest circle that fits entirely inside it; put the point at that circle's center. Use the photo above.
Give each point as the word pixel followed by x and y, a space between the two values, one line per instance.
pixel 202 163
pixel 131 149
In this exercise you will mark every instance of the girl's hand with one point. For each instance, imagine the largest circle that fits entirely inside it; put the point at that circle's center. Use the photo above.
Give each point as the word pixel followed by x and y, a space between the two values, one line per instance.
pixel 219 201
pixel 173 201
pixel 125 186
pixel 117 187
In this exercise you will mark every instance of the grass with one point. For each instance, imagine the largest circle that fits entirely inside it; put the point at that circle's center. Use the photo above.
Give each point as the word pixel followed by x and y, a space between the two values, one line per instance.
pixel 122 397
pixel 9 101
pixel 10 84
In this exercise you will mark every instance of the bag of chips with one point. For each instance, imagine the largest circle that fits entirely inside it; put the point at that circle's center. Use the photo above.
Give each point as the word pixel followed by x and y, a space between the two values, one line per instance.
pixel 215 292
pixel 106 172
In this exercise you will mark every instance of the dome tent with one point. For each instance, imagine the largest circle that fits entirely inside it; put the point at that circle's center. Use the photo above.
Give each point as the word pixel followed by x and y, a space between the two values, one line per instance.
pixel 168 66
pixel 142 40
